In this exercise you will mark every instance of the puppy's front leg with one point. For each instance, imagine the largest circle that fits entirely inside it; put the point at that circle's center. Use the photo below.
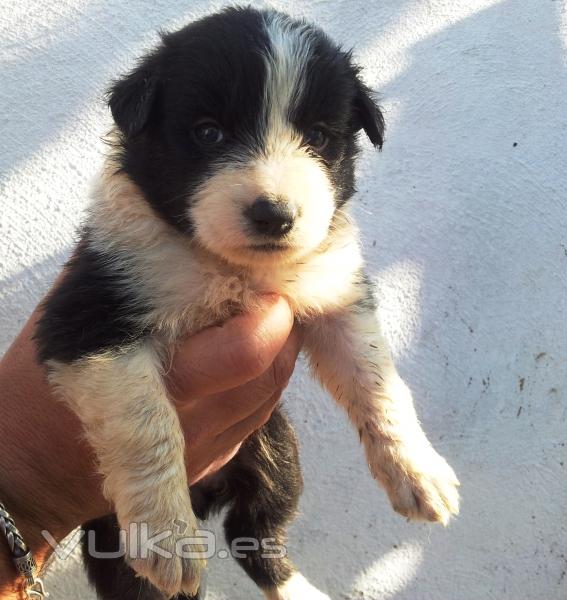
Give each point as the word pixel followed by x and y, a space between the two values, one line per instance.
pixel 133 427
pixel 352 360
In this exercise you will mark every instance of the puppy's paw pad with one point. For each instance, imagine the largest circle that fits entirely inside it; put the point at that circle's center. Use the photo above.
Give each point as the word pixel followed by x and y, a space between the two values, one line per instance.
pixel 296 588
pixel 426 489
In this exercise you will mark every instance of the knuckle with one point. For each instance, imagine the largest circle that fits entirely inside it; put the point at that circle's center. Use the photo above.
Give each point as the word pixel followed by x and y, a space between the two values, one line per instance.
pixel 281 370
pixel 248 359
pixel 194 434
pixel 265 416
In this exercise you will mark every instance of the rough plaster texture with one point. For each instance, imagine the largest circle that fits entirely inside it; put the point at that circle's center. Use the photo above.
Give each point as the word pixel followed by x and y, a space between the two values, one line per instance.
pixel 465 228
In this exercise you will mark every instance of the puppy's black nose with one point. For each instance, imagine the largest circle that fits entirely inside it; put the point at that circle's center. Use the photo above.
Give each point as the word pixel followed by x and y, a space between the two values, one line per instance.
pixel 270 218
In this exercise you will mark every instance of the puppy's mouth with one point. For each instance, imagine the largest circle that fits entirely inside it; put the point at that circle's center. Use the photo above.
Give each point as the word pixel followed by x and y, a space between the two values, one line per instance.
pixel 270 247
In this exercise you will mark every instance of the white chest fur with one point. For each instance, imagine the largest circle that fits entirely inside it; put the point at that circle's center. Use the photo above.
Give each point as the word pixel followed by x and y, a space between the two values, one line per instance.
pixel 189 289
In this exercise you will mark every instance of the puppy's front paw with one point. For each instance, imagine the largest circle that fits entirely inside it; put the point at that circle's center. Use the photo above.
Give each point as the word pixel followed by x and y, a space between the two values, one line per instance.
pixel 162 558
pixel 424 487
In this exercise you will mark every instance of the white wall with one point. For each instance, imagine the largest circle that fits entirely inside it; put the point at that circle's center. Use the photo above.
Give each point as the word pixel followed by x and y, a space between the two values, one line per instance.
pixel 465 228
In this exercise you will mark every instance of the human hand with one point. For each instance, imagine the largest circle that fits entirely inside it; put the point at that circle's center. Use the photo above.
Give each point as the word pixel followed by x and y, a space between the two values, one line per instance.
pixel 225 382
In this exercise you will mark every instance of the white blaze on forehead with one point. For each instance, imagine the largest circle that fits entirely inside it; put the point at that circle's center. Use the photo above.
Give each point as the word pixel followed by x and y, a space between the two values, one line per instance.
pixel 286 65
pixel 284 169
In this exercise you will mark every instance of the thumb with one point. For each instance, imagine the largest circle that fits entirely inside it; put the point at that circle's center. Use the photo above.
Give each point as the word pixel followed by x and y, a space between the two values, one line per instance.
pixel 223 357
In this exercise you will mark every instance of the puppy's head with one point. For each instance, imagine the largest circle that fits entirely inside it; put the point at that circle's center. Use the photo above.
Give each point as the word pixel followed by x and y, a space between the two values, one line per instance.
pixel 241 128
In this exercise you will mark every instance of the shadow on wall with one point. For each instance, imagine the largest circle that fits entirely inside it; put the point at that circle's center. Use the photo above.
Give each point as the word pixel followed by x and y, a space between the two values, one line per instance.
pixel 72 62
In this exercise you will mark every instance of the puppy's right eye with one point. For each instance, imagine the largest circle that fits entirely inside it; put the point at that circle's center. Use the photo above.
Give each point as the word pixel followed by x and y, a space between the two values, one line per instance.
pixel 209 133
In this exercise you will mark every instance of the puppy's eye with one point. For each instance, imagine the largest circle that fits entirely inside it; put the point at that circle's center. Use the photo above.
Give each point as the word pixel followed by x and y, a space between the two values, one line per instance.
pixel 316 138
pixel 209 133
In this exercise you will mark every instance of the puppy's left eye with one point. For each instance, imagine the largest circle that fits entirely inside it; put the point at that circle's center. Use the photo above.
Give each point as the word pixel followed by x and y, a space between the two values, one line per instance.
pixel 316 138
pixel 209 133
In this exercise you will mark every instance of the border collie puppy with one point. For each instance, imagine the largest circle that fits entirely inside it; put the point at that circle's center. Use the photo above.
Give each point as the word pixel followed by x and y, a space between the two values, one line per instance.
pixel 230 174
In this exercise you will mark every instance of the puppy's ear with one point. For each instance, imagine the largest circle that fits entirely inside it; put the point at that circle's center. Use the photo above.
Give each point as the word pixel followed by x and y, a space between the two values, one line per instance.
pixel 368 115
pixel 131 99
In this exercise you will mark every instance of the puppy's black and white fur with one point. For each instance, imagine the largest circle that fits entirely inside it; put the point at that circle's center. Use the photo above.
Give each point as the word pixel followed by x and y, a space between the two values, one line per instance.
pixel 230 174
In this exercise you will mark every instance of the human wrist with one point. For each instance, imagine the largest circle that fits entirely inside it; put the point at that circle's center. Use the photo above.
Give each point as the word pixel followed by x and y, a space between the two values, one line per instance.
pixel 48 478
pixel 22 552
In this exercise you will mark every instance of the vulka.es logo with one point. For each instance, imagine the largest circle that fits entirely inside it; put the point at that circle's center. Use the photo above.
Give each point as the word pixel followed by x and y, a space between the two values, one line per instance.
pixel 202 545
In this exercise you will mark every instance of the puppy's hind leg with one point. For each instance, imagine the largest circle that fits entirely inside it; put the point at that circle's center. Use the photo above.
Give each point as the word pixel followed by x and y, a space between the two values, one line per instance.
pixel 129 420
pixel 265 481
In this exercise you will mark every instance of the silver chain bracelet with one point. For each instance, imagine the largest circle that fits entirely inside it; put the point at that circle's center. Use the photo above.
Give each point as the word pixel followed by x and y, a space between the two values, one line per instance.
pixel 22 557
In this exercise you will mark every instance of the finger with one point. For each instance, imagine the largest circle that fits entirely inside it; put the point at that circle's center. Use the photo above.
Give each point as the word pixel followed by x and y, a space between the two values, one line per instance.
pixel 224 446
pixel 224 455
pixel 224 357
pixel 227 408
pixel 243 429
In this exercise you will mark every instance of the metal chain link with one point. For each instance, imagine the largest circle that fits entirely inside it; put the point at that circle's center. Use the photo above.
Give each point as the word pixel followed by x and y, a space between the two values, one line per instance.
pixel 18 547
pixel 22 556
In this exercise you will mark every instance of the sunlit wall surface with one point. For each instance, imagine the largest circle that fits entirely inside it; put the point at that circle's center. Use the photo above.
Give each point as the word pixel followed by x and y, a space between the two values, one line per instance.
pixel 464 221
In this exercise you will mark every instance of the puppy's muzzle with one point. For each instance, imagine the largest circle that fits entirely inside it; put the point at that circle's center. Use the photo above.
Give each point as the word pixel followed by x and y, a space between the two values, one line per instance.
pixel 270 218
